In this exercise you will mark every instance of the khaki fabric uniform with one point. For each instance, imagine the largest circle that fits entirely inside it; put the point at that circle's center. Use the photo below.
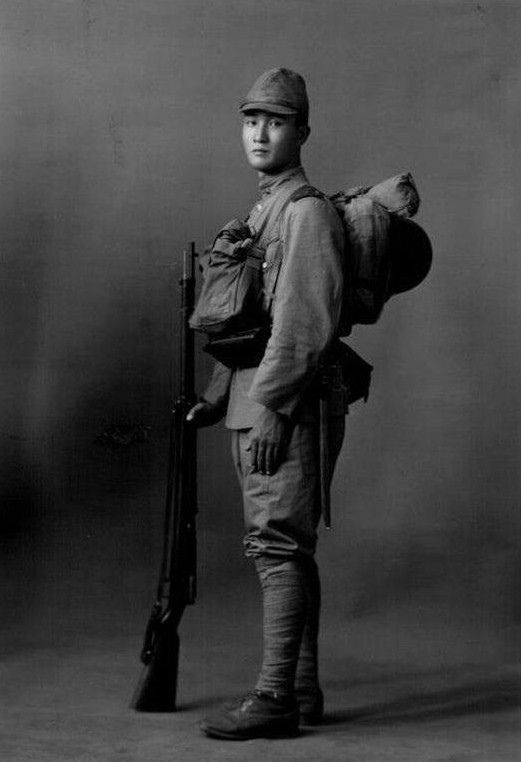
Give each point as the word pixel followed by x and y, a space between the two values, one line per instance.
pixel 282 510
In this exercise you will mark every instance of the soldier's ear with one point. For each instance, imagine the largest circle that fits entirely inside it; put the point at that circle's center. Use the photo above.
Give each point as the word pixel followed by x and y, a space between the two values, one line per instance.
pixel 303 131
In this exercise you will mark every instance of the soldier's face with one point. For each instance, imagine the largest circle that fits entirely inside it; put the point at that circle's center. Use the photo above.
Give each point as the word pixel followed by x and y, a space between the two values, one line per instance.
pixel 272 141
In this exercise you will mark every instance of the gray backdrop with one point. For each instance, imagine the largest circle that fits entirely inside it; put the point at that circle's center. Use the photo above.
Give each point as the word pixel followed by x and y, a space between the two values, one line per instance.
pixel 120 143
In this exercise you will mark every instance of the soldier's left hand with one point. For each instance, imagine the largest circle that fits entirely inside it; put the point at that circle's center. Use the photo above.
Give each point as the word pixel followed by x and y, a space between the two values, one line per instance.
pixel 268 439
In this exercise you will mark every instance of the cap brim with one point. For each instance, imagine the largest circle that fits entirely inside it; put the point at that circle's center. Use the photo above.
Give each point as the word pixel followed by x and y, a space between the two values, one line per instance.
pixel 270 108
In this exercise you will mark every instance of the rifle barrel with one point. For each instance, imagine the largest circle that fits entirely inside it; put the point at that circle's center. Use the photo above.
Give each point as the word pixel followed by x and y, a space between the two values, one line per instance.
pixel 156 690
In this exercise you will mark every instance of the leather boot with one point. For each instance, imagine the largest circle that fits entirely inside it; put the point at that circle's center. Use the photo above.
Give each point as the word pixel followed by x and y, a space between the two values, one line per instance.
pixel 257 715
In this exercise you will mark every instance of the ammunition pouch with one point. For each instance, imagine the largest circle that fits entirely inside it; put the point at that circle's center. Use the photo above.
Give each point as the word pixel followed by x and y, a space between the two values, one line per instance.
pixel 244 349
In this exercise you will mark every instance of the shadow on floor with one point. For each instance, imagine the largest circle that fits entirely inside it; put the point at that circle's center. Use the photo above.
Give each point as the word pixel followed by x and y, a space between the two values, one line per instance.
pixel 483 694
pixel 408 697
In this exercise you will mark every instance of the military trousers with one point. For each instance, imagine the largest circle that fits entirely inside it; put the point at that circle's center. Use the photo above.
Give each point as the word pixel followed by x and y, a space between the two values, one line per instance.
pixel 282 510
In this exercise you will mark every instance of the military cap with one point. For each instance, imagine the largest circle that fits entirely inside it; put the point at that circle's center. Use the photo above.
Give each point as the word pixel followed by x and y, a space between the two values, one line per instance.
pixel 279 91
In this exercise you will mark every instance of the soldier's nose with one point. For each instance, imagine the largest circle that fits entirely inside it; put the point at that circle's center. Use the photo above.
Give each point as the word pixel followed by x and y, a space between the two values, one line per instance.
pixel 260 135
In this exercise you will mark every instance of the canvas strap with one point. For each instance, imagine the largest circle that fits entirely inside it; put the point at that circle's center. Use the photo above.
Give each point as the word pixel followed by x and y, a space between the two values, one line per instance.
pixel 305 191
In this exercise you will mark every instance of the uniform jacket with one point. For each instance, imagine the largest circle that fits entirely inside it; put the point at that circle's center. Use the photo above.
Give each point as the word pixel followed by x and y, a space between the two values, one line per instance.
pixel 304 310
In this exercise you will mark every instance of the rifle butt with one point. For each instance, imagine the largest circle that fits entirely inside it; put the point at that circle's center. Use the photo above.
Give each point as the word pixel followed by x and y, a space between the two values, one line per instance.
pixel 156 690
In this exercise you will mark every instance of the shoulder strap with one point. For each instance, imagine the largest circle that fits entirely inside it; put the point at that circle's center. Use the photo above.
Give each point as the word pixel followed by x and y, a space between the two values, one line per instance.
pixel 305 191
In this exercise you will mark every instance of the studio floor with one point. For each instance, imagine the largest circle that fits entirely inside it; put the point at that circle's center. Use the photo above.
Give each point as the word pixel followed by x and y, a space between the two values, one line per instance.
pixel 69 701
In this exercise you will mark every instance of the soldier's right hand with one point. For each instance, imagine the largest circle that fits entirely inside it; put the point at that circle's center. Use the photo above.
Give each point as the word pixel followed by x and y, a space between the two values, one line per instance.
pixel 205 414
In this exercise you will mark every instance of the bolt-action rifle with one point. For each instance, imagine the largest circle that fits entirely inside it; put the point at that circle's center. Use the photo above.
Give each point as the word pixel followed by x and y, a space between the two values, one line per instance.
pixel 157 687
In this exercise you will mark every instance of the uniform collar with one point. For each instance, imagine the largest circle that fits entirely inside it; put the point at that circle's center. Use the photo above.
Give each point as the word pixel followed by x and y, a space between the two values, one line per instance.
pixel 271 183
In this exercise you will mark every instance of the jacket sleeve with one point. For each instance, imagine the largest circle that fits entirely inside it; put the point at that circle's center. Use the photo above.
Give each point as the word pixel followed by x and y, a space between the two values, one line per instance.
pixel 218 388
pixel 306 305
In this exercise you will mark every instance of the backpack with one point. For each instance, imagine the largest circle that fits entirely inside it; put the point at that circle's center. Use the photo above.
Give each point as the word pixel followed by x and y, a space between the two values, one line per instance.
pixel 386 254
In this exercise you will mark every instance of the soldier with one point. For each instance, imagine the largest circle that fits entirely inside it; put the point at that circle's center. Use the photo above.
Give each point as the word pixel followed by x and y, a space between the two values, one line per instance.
pixel 272 411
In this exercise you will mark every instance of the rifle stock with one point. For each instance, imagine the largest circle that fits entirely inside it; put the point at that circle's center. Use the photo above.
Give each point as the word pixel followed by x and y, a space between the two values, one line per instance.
pixel 156 690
